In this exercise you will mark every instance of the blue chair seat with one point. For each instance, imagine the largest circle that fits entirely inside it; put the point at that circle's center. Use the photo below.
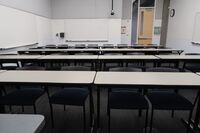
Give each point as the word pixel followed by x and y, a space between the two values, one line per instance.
pixel 70 96
pixel 169 101
pixel 127 100
pixel 21 97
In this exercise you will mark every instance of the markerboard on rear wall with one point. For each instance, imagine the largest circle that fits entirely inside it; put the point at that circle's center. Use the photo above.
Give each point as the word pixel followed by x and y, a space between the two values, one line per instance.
pixel 86 29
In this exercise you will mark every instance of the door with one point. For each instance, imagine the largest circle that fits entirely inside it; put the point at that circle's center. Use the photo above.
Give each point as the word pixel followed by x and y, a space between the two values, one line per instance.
pixel 146 17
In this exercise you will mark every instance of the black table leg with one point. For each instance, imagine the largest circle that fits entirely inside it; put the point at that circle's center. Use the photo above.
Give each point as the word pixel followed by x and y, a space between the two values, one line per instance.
pixel 98 108
pixel 2 108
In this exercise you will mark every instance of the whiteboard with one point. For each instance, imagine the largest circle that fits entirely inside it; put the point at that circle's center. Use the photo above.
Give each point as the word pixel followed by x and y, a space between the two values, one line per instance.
pixel 196 33
pixel 86 29
pixel 17 28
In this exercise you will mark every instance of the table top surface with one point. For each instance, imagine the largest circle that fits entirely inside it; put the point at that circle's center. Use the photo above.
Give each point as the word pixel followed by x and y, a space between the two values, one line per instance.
pixel 103 49
pixel 70 57
pixel 127 57
pixel 147 78
pixel 139 50
pixel 54 77
pixel 20 56
pixel 18 123
pixel 52 50
pixel 179 57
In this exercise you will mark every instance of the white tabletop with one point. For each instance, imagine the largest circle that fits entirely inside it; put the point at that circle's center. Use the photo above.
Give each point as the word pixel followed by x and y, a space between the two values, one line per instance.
pixel 147 78
pixel 5 57
pixel 140 50
pixel 11 123
pixel 57 77
pixel 180 57
pixel 136 57
pixel 52 50
pixel 75 57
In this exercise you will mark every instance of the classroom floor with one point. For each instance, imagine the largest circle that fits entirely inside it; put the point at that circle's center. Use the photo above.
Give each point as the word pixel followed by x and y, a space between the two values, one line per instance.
pixel 126 121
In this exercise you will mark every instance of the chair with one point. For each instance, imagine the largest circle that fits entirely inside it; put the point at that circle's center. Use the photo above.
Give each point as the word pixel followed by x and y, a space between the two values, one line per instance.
pixel 51 46
pixel 107 65
pixel 95 46
pixel 192 66
pixel 122 45
pixel 163 99
pixel 80 46
pixel 122 98
pixel 75 96
pixel 62 46
pixel 108 46
pixel 25 95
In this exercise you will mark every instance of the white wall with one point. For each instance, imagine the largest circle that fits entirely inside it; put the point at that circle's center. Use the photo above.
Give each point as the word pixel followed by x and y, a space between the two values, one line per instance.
pixel 85 9
pixel 38 7
pixel 180 28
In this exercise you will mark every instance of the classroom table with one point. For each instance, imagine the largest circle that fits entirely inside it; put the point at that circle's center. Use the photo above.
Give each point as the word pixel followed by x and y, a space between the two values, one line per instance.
pixel 49 78
pixel 145 80
pixel 20 123
pixel 70 58
pixel 177 59
pixel 47 51
pixel 100 51
pixel 19 59
pixel 142 59
pixel 147 51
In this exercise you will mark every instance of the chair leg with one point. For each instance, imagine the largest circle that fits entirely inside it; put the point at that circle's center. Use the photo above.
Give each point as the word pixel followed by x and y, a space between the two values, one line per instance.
pixel 34 107
pixel 10 108
pixel 172 114
pixel 64 107
pixel 52 119
pixel 189 121
pixel 151 121
pixel 139 112
pixel 146 121
pixel 84 119
pixel 22 108
pixel 109 120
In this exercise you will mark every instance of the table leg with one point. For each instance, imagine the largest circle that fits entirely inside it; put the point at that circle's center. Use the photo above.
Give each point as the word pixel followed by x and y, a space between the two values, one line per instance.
pixel 98 108
pixel 197 115
pixel 2 109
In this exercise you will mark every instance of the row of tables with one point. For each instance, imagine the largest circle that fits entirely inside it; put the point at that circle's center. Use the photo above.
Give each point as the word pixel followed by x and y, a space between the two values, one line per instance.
pixel 100 80
pixel 98 59
pixel 146 51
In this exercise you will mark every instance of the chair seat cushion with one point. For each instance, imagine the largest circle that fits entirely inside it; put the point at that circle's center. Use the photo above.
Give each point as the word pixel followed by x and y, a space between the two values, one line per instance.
pixel 70 96
pixel 127 100
pixel 169 101
pixel 21 97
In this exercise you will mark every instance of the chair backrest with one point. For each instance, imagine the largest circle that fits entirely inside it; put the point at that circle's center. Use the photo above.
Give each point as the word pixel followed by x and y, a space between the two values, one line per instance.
pixel 112 53
pixel 63 46
pixel 51 46
pixel 79 46
pixel 31 68
pixel 192 53
pixel 125 69
pixel 135 53
pixel 108 46
pixel 75 68
pixel 162 69
pixel 122 45
pixel 83 53
pixel 96 46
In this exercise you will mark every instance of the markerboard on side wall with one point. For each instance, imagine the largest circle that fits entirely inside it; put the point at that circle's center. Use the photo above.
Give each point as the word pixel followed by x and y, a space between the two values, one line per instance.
pixel 16 28
pixel 196 32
